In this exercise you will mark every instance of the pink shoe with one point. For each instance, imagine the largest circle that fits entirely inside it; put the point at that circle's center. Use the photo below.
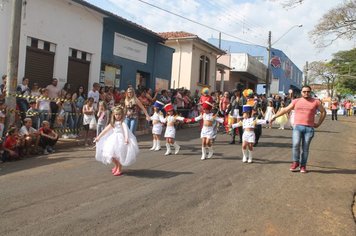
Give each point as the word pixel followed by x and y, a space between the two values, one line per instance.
pixel 117 173
pixel 113 170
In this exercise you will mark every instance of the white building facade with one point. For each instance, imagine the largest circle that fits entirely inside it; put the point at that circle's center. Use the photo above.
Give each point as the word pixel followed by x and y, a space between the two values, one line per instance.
pixel 59 39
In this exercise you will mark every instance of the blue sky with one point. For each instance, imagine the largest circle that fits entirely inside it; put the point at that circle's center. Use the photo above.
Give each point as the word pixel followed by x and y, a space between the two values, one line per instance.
pixel 247 21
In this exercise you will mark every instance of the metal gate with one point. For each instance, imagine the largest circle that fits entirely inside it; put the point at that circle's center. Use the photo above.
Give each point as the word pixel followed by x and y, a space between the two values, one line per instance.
pixel 39 66
pixel 78 73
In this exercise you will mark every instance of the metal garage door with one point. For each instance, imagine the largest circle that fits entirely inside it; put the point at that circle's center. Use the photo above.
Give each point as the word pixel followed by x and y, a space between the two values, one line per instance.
pixel 39 66
pixel 78 73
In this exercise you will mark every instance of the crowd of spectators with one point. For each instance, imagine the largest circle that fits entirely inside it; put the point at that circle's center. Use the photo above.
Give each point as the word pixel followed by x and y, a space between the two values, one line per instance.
pixel 44 114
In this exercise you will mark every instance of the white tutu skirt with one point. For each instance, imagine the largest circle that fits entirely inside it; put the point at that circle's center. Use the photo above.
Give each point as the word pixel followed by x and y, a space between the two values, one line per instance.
pixel 112 145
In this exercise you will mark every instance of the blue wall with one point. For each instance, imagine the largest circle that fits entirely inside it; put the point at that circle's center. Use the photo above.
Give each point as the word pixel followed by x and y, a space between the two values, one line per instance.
pixel 288 73
pixel 159 57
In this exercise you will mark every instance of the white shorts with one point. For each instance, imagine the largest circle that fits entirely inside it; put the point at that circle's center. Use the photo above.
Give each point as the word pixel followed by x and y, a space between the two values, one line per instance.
pixel 207 132
pixel 170 132
pixel 157 129
pixel 249 136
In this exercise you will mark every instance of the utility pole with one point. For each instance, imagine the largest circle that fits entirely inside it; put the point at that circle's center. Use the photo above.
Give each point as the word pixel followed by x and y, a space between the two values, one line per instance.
pixel 306 73
pixel 13 58
pixel 222 73
pixel 268 64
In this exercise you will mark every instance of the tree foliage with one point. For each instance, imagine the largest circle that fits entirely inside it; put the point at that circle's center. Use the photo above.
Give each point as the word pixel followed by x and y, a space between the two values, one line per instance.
pixel 323 73
pixel 338 75
pixel 338 23
pixel 344 63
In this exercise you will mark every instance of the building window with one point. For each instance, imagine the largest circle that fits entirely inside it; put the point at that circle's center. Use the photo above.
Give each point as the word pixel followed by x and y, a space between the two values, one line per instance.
pixel 46 46
pixel 74 53
pixel 34 42
pixel 204 69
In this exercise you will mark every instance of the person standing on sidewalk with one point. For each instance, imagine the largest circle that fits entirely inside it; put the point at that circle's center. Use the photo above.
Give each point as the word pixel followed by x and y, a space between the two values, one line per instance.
pixel 303 132
pixel 54 93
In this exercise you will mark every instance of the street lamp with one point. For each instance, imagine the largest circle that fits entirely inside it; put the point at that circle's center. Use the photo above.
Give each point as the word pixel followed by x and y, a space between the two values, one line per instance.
pixel 269 54
pixel 294 26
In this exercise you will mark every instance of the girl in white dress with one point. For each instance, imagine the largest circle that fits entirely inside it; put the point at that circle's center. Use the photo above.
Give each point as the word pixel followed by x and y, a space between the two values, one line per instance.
pixel 157 120
pixel 116 143
pixel 207 131
pixel 248 138
pixel 269 112
pixel 170 133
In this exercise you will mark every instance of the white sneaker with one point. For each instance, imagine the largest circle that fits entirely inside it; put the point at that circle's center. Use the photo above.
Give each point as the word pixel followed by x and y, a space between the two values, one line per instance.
pixel 65 136
pixel 202 158
pixel 45 152
pixel 244 159
pixel 249 160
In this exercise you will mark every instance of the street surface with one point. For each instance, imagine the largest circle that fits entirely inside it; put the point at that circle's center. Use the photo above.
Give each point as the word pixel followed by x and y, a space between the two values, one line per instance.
pixel 69 193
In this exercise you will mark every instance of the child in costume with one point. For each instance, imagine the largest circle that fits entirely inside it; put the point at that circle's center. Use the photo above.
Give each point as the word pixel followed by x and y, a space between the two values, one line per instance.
pixel 116 143
pixel 269 112
pixel 248 137
pixel 207 131
pixel 157 120
pixel 282 120
pixel 170 133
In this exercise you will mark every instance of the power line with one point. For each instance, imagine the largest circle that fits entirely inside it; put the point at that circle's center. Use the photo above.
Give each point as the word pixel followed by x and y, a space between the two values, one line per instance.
pixel 196 22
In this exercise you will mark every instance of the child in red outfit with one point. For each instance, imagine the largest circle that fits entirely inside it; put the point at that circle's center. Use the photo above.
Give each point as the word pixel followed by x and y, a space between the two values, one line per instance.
pixel 11 146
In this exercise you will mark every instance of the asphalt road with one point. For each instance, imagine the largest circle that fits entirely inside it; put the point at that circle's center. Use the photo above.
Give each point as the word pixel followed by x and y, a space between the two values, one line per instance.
pixel 69 193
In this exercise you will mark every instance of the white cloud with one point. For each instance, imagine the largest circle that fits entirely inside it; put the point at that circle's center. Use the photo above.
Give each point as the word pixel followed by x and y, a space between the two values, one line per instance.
pixel 248 20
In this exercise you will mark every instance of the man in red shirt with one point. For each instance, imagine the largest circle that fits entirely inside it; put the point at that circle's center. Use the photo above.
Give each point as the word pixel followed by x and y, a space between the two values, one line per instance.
pixel 305 110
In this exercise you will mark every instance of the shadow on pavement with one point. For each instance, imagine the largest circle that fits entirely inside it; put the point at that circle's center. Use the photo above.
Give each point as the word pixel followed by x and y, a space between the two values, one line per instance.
pixel 332 170
pixel 28 163
pixel 325 131
pixel 159 174
pixel 280 145
pixel 275 136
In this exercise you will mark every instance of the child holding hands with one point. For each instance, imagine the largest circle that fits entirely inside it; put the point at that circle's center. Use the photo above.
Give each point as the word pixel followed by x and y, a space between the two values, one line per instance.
pixel 207 131
pixel 248 138
pixel 157 120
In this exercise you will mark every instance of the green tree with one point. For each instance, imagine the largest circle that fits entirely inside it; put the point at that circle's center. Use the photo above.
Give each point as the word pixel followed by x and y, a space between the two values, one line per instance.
pixel 338 23
pixel 344 63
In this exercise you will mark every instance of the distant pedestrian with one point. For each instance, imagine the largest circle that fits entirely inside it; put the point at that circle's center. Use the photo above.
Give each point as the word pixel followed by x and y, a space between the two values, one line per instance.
pixel 116 143
pixel 305 108
pixel 334 108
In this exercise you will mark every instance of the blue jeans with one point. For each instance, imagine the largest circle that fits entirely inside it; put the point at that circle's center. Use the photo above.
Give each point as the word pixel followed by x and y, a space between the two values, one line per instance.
pixel 131 123
pixel 301 134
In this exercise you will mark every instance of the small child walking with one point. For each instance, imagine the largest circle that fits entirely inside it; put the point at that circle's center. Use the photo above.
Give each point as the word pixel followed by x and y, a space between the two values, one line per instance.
pixel 269 113
pixel 248 138
pixel 157 120
pixel 170 133
pixel 282 120
pixel 207 131
pixel 116 143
